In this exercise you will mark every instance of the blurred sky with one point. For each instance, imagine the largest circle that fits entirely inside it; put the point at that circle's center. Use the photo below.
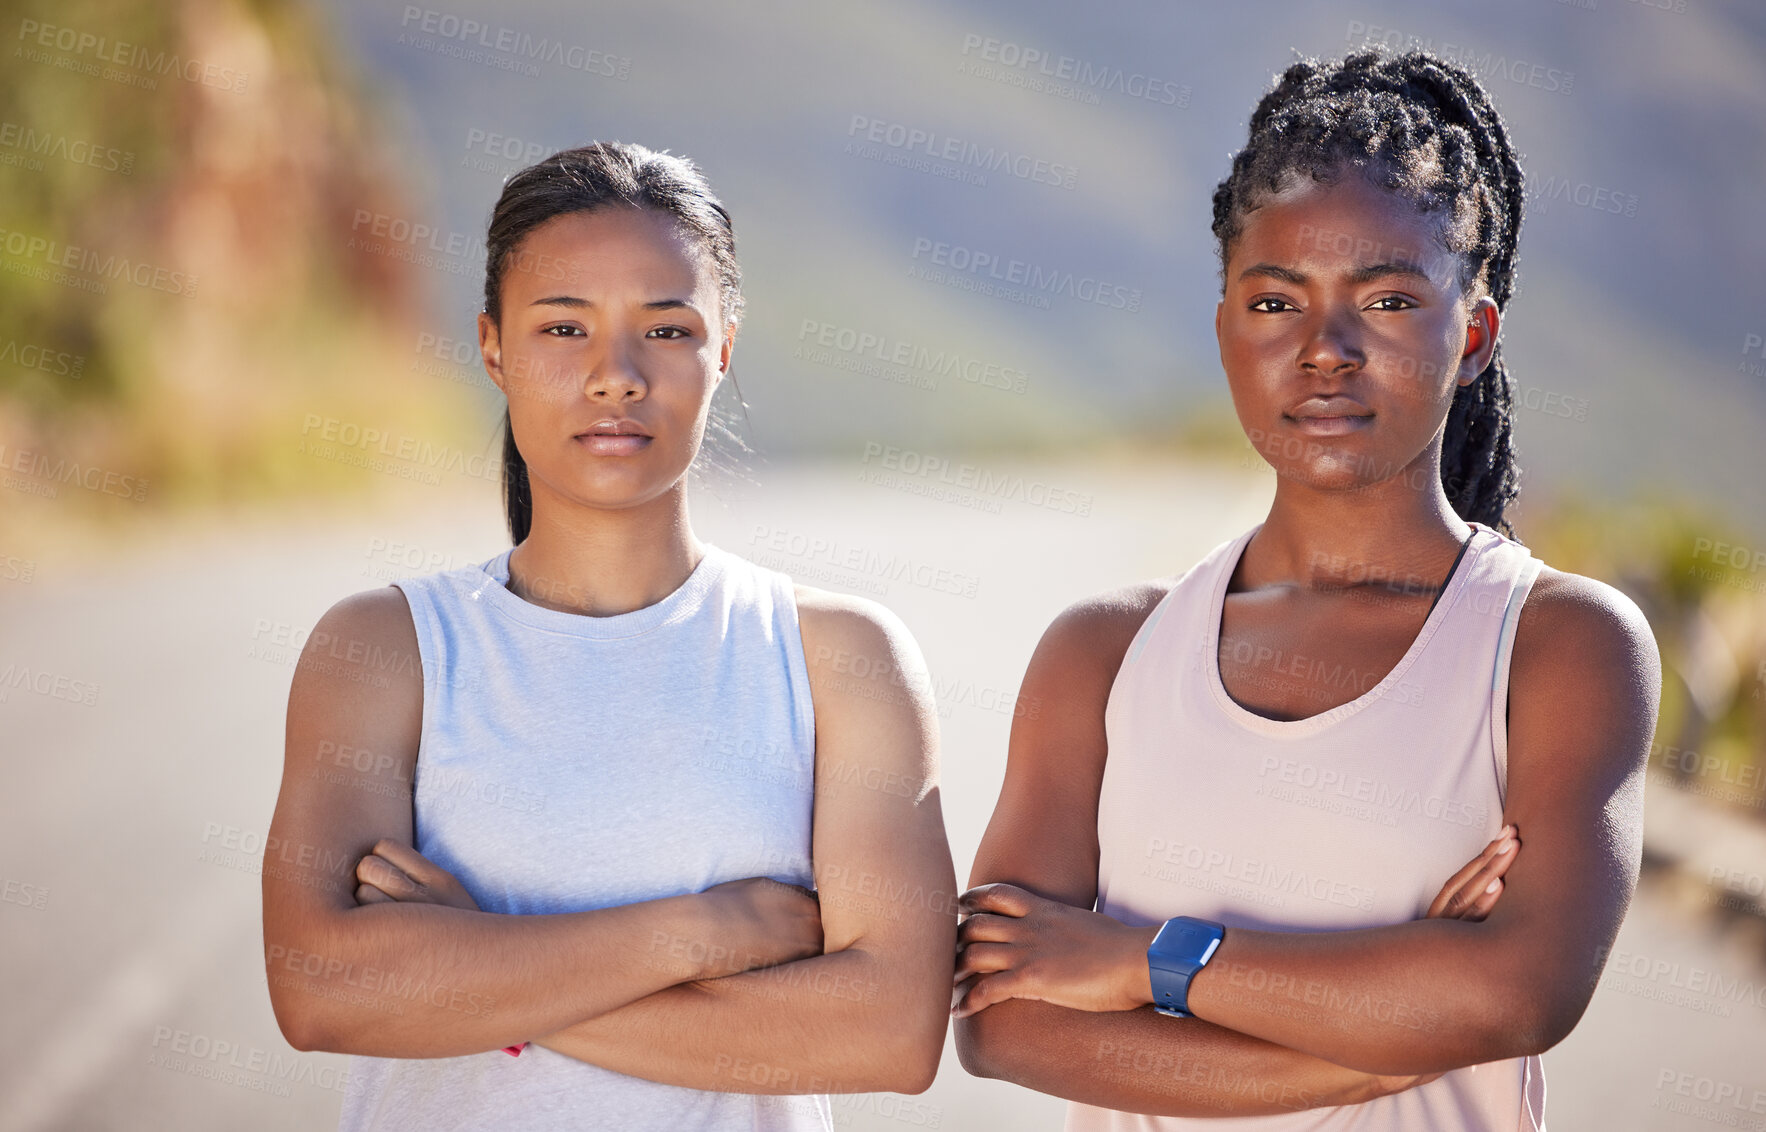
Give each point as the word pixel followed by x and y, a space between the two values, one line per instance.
pixel 1634 334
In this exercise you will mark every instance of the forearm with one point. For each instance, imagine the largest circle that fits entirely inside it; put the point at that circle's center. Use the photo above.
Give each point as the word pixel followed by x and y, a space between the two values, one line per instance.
pixel 843 1022
pixel 1419 997
pixel 427 980
pixel 1142 1061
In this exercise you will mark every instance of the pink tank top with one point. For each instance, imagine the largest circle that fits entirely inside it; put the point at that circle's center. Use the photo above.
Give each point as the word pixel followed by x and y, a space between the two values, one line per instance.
pixel 1350 818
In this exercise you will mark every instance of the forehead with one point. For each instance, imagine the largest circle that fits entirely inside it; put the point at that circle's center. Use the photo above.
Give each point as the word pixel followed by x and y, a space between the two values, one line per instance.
pixel 610 248
pixel 1325 229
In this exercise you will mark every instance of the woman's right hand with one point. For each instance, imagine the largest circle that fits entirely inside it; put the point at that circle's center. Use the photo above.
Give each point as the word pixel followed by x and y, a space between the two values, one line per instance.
pixel 761 922
pixel 1470 893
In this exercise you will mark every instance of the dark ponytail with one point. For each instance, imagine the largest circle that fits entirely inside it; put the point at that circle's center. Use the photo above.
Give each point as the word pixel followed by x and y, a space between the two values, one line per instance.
pixel 1429 130
pixel 581 180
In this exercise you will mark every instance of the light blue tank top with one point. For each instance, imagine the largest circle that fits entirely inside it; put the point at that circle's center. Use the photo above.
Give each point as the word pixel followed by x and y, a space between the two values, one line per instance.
pixel 569 763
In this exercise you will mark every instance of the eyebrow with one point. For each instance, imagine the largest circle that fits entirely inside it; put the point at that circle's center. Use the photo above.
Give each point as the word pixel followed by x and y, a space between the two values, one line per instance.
pixel 1365 274
pixel 1391 267
pixel 1274 271
pixel 575 303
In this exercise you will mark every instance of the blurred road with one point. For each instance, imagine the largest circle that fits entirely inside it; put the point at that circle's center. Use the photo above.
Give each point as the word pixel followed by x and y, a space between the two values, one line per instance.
pixel 140 785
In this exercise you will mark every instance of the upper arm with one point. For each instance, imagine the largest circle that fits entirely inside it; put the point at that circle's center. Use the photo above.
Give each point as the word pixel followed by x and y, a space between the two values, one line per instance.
pixel 882 865
pixel 355 712
pixel 1043 835
pixel 1585 682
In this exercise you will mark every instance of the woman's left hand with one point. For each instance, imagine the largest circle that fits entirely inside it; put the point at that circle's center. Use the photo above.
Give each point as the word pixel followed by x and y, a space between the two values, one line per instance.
pixel 1016 944
pixel 395 872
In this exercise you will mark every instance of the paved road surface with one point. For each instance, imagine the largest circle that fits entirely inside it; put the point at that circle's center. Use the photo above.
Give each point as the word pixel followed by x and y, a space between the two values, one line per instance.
pixel 131 826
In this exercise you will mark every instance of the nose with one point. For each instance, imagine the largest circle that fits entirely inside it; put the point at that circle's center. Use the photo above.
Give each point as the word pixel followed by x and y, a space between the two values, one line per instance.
pixel 1331 346
pixel 614 376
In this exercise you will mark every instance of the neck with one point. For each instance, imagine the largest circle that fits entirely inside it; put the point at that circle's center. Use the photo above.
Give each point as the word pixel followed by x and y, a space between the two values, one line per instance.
pixel 602 562
pixel 1399 530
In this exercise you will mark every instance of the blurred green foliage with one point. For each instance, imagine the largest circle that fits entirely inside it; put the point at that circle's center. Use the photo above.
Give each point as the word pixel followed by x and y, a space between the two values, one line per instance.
pixel 1702 586
pixel 219 150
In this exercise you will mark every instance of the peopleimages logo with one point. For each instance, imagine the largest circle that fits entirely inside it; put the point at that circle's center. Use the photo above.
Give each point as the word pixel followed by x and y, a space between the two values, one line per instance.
pixel 1032 277
pixel 61 262
pixel 913 140
pixel 132 57
pixel 1084 76
pixel 513 49
pixel 923 474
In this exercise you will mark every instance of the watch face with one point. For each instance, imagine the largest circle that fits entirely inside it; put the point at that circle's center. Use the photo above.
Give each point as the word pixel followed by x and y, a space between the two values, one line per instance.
pixel 1186 942
pixel 1181 948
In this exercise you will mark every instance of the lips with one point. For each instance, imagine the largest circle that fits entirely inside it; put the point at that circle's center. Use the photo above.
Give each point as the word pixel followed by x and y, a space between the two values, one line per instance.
pixel 1330 416
pixel 613 426
pixel 614 436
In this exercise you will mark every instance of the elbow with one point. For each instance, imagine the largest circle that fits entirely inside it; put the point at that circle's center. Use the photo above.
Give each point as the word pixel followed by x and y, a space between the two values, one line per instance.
pixel 1543 1023
pixel 901 1025
pixel 915 1070
pixel 1529 1021
pixel 914 1049
pixel 297 1002
pixel 1541 1011
pixel 1500 1028
pixel 301 1016
pixel 975 1042
pixel 300 1028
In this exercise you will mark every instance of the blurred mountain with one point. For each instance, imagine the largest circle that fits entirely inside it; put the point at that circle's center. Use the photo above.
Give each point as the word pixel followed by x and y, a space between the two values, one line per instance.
pixel 964 226
pixel 1643 127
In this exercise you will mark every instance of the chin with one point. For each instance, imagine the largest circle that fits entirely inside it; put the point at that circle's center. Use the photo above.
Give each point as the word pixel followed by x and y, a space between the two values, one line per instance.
pixel 1329 475
pixel 617 493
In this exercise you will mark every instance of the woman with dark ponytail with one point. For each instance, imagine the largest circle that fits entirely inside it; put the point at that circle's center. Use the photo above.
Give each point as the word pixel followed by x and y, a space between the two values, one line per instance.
pixel 1213 883
pixel 570 803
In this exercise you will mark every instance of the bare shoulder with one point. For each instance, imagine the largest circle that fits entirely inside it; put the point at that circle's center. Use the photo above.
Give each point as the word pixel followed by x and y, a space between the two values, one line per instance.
pixel 1573 626
pixel 867 676
pixel 381 615
pixel 371 631
pixel 361 668
pixel 1585 684
pixel 833 621
pixel 1091 636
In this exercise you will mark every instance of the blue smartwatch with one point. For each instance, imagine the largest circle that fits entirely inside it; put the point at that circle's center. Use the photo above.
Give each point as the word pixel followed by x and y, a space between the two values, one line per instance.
pixel 1182 947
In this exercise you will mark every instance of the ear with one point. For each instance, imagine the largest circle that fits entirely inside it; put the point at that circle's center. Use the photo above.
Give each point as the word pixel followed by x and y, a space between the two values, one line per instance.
pixel 723 358
pixel 490 348
pixel 1219 314
pixel 1483 323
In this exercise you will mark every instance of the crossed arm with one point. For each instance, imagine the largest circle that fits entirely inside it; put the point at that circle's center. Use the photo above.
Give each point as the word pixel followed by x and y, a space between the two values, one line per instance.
pixel 1055 996
pixel 877 1000
pixel 747 987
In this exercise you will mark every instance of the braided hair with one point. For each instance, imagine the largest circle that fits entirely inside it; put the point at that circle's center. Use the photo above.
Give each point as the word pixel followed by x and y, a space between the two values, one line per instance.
pixel 1422 127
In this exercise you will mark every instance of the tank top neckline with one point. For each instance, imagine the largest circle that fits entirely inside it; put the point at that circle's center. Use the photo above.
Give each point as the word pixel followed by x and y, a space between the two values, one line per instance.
pixel 676 607
pixel 1475 545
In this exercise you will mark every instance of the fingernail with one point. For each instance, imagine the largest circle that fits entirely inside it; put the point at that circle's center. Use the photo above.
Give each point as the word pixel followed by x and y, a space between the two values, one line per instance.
pixel 1507 846
pixel 1493 886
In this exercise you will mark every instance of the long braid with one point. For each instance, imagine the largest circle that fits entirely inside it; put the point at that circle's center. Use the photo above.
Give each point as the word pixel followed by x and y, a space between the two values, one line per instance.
pixel 1428 130
pixel 1477 451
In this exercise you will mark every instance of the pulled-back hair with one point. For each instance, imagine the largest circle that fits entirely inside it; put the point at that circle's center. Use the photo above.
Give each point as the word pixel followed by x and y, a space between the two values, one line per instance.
pixel 581 180
pixel 1422 127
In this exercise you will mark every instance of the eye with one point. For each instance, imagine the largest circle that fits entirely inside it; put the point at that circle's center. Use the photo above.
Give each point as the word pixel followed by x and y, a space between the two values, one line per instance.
pixel 1269 303
pixel 569 330
pixel 670 332
pixel 1392 303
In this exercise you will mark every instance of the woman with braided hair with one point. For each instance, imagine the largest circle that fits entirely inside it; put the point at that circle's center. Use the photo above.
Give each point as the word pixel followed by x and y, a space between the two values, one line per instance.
pixel 1212 885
